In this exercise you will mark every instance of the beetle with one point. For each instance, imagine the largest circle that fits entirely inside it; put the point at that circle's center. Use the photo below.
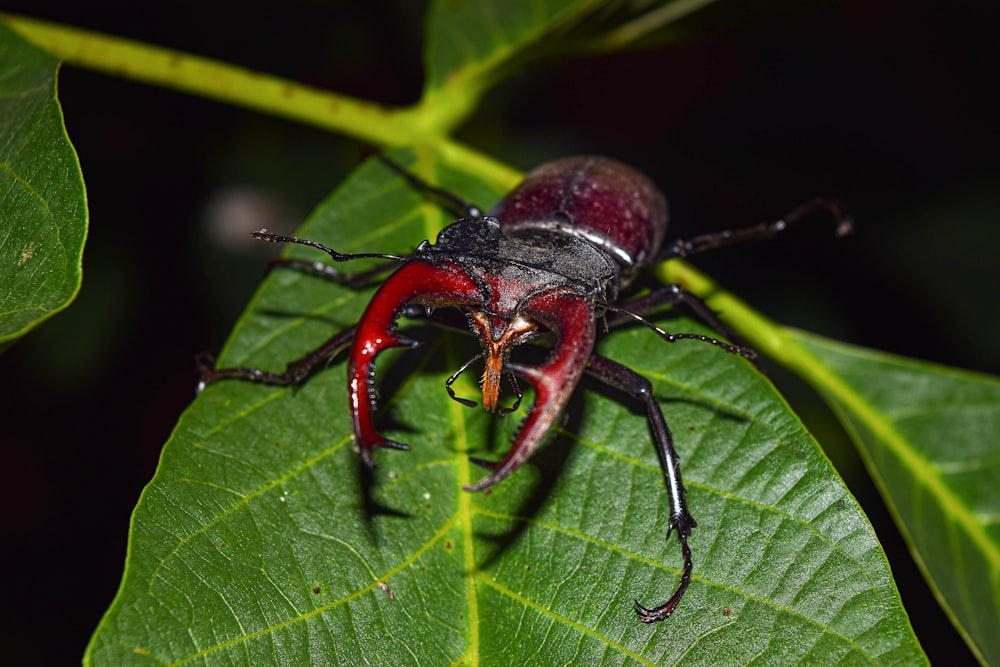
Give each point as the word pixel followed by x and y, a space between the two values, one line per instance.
pixel 547 264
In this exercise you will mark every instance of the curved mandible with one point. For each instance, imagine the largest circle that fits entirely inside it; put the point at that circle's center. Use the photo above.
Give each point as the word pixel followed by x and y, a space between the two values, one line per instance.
pixel 571 317
pixel 436 285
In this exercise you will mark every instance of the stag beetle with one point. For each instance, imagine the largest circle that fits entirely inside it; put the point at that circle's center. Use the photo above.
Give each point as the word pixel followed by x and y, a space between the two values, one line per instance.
pixel 550 259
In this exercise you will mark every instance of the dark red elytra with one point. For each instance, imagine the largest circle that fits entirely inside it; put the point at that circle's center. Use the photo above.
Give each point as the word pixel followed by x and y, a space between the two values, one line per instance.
pixel 612 205
pixel 546 265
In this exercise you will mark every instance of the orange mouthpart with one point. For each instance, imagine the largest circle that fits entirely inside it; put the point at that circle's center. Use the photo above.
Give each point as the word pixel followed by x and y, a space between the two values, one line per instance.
pixel 490 381
pixel 498 336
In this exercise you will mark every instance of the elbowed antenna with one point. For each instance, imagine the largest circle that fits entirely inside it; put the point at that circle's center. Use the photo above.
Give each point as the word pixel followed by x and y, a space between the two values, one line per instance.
pixel 264 235
pixel 740 350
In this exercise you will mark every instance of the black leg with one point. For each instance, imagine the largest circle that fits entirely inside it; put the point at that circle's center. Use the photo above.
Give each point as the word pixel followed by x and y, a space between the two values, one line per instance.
pixel 450 200
pixel 295 373
pixel 835 207
pixel 681 521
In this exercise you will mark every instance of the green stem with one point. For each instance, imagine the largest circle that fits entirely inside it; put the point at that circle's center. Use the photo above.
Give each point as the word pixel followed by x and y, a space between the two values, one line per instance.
pixel 360 119
pixel 762 334
pixel 227 83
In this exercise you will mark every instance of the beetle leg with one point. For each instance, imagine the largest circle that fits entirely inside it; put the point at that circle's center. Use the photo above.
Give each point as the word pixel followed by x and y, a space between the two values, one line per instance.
pixel 428 284
pixel 681 521
pixel 571 317
pixel 450 199
pixel 767 230
pixel 295 372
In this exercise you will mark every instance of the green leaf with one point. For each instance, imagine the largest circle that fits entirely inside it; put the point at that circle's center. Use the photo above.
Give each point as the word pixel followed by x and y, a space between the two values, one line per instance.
pixel 928 434
pixel 261 540
pixel 470 39
pixel 44 207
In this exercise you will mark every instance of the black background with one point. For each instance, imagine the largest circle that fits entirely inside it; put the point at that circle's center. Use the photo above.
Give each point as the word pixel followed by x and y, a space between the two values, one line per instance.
pixel 887 104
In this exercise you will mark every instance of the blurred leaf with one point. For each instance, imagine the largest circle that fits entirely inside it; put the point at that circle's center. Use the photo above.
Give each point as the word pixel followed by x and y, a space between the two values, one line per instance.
pixel 262 541
pixel 929 436
pixel 471 46
pixel 43 208
pixel 469 40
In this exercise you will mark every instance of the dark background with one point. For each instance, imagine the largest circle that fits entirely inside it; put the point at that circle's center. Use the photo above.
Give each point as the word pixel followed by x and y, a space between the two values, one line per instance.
pixel 887 104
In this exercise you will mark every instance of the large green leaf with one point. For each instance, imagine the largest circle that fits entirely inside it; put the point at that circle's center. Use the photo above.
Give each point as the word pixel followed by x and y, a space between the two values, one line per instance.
pixel 43 207
pixel 262 541
pixel 929 435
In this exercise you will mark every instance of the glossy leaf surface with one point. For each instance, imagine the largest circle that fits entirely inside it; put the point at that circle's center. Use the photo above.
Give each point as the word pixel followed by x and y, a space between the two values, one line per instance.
pixel 929 435
pixel 43 207
pixel 261 540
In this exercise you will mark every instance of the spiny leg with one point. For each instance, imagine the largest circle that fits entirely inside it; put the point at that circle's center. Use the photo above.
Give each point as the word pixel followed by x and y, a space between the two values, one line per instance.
pixel 295 372
pixel 832 205
pixel 681 521
pixel 298 370
pixel 675 294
